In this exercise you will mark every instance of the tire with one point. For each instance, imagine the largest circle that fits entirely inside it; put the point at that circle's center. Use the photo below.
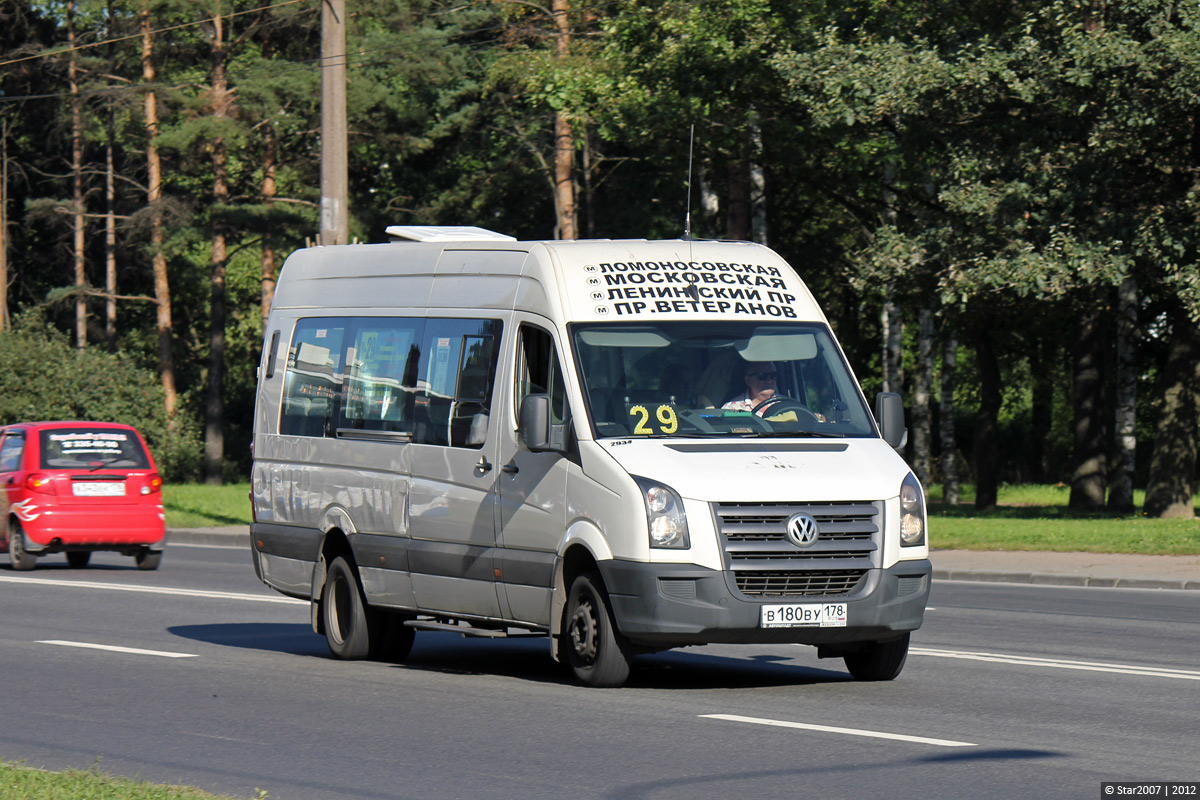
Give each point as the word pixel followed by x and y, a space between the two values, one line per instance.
pixel 148 559
pixel 878 661
pixel 349 622
pixel 598 654
pixel 78 559
pixel 21 558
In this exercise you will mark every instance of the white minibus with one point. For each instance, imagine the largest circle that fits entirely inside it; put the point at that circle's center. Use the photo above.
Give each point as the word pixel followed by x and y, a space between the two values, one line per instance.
pixel 625 446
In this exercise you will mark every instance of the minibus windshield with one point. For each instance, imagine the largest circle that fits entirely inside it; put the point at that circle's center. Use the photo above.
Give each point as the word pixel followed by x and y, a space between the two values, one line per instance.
pixel 705 378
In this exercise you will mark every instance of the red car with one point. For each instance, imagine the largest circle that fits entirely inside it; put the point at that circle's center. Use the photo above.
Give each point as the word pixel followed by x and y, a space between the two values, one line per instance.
pixel 77 487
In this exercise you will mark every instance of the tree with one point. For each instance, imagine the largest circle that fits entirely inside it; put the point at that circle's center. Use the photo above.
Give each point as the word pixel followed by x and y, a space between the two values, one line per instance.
pixel 1028 155
pixel 1173 461
pixel 154 199
pixel 42 376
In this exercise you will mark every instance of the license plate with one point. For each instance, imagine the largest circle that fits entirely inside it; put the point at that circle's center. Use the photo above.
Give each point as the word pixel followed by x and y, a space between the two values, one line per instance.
pixel 98 489
pixel 813 615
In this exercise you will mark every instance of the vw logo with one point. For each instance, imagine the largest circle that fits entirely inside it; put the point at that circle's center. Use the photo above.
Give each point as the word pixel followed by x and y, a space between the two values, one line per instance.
pixel 802 530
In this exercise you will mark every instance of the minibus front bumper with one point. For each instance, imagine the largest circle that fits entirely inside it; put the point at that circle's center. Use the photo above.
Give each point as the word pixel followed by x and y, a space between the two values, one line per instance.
pixel 670 605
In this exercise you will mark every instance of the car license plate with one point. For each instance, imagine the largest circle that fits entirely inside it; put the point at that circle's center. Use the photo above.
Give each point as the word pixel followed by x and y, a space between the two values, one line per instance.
pixel 98 489
pixel 814 615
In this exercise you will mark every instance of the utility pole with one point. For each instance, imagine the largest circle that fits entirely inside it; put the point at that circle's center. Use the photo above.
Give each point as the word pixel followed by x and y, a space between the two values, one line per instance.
pixel 335 211
pixel 564 140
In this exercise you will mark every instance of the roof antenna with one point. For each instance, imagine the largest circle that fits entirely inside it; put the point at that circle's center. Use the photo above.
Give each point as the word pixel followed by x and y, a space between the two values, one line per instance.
pixel 687 219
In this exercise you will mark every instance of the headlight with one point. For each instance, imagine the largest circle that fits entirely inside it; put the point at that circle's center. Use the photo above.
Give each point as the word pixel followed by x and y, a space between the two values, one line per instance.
pixel 912 513
pixel 664 515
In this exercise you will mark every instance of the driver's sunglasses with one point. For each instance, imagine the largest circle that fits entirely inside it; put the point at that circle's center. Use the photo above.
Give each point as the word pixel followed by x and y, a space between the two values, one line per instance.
pixel 765 376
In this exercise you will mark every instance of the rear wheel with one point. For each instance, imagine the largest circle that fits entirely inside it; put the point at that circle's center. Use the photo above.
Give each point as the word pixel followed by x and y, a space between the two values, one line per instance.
pixel 597 652
pixel 21 558
pixel 878 661
pixel 348 619
pixel 148 559
pixel 78 559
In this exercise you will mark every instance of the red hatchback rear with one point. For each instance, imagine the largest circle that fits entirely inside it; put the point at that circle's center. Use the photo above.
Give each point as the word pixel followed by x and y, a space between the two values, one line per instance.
pixel 77 487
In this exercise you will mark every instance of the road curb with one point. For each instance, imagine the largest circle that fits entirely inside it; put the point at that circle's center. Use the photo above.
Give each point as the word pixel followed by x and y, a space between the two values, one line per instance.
pixel 218 537
pixel 1051 579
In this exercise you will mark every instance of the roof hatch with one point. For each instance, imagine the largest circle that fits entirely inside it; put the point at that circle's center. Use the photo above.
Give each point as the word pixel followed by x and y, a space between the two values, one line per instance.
pixel 445 233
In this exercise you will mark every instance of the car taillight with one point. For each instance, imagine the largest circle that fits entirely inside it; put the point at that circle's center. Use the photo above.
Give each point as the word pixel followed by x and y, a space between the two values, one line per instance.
pixel 40 482
pixel 153 484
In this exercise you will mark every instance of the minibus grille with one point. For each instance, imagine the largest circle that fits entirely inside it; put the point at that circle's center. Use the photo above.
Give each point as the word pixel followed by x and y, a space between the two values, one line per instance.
pixel 798 584
pixel 766 563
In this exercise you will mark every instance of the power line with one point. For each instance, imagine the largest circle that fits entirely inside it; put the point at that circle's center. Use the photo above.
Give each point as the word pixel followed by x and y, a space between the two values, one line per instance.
pixel 54 52
pixel 359 58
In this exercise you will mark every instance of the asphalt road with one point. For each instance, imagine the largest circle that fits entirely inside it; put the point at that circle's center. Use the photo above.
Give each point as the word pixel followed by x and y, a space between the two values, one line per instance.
pixel 1009 692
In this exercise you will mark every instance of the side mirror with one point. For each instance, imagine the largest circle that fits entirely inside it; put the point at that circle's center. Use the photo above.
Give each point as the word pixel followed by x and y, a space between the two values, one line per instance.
pixel 889 413
pixel 534 430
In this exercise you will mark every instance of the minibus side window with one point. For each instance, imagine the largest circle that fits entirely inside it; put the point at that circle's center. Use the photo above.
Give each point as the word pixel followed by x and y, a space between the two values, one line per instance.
pixel 539 371
pixel 314 377
pixel 455 380
pixel 381 375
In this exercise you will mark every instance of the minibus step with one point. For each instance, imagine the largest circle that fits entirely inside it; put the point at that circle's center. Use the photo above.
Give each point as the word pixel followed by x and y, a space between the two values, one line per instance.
pixel 486 633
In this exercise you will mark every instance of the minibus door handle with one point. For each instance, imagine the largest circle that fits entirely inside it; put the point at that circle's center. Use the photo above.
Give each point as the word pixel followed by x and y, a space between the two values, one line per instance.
pixel 510 469
pixel 484 466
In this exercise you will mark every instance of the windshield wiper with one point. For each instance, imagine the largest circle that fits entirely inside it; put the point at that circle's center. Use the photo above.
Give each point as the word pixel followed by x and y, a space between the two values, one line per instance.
pixel 796 434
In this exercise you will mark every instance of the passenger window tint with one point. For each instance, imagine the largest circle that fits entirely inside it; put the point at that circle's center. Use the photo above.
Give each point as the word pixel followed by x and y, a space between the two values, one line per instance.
pixel 430 378
pixel 457 373
pixel 381 376
pixel 10 452
pixel 314 377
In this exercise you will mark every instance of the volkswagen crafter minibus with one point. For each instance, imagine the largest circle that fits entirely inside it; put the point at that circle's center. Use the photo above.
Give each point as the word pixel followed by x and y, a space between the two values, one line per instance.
pixel 459 431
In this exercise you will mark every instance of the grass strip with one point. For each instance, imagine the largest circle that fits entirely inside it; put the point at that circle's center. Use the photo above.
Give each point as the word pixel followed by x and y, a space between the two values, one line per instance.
pixel 199 505
pixel 20 782
pixel 1037 517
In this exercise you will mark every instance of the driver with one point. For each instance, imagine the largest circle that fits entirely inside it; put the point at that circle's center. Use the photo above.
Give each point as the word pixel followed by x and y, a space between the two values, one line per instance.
pixel 761 378
pixel 761 384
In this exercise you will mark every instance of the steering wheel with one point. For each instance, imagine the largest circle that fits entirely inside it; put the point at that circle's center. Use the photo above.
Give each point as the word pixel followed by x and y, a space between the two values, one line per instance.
pixel 774 407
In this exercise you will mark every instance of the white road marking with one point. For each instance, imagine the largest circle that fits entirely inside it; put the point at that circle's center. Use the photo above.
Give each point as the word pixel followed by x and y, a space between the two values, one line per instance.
pixel 900 737
pixel 119 587
pixel 174 545
pixel 115 649
pixel 1059 663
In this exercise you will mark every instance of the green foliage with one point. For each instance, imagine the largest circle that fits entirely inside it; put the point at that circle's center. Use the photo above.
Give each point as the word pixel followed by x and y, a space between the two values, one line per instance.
pixel 1005 164
pixel 1033 160
pixel 43 378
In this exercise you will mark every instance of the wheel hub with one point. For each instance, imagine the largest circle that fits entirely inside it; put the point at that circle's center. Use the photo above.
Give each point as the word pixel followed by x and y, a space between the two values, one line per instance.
pixel 583 632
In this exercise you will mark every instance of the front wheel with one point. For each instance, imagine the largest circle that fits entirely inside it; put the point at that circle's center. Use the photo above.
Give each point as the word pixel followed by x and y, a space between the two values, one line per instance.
pixel 597 652
pixel 21 558
pixel 148 559
pixel 878 661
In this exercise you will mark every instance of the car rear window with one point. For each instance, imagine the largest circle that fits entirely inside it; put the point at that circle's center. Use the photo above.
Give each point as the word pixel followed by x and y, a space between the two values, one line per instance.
pixel 86 448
